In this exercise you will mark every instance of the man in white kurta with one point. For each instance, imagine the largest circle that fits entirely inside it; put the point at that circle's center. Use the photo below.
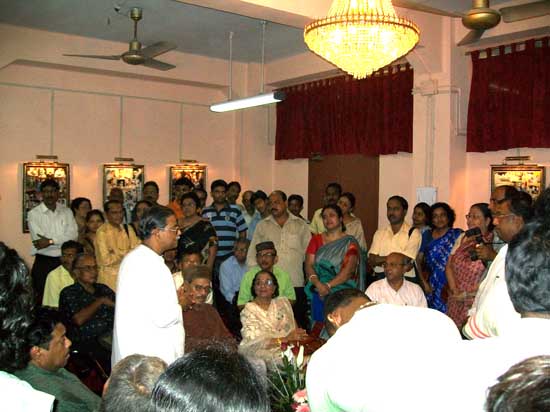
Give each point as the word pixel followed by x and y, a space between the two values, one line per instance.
pixel 148 317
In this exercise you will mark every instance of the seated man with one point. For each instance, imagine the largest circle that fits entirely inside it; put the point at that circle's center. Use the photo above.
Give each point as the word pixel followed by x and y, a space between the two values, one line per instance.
pixel 49 354
pixel 233 270
pixel 190 258
pixel 201 321
pixel 394 288
pixel 89 307
pixel 60 277
pixel 266 256
pixel 131 383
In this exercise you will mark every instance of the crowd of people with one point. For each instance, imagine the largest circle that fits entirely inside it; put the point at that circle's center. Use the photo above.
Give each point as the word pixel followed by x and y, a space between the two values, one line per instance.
pixel 192 297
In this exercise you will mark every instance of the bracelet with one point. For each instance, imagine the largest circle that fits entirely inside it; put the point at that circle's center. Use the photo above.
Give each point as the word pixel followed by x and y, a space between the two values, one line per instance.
pixel 311 276
pixel 328 286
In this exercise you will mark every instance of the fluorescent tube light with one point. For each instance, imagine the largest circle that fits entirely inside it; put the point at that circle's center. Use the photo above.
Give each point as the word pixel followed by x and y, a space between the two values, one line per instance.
pixel 258 100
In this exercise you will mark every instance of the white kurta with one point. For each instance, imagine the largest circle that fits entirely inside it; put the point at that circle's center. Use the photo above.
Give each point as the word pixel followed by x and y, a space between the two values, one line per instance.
pixel 148 318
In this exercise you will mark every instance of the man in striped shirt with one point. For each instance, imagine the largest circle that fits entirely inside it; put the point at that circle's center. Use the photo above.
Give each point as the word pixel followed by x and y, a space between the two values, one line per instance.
pixel 229 224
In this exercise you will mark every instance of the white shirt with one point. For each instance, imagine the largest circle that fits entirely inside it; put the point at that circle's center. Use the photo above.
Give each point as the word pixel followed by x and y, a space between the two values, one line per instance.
pixel 386 358
pixel 409 294
pixel 148 318
pixel 291 241
pixel 492 311
pixel 58 225
pixel 385 242
pixel 18 395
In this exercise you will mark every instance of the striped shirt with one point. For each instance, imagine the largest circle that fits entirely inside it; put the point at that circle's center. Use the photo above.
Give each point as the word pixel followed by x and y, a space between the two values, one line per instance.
pixel 227 222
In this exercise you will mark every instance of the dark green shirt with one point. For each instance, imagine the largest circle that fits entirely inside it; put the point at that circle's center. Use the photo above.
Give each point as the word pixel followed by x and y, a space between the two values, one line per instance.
pixel 70 394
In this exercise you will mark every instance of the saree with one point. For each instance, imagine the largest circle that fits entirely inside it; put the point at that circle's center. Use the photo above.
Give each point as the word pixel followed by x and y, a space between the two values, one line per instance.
pixel 197 238
pixel 329 260
pixel 436 255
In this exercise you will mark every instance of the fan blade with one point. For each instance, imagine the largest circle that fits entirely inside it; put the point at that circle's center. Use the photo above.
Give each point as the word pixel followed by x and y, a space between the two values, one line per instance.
pixel 471 37
pixel 156 49
pixel 525 11
pixel 156 64
pixel 94 56
pixel 406 4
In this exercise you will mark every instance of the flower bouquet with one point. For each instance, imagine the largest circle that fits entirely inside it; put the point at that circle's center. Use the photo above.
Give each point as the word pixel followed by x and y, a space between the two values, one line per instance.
pixel 288 381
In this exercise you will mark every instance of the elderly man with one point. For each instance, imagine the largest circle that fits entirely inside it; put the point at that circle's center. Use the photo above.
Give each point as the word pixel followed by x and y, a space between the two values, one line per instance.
pixel 332 194
pixel 113 241
pixel 51 224
pixel 397 237
pixel 492 311
pixel 266 257
pixel 148 318
pixel 394 288
pixel 291 236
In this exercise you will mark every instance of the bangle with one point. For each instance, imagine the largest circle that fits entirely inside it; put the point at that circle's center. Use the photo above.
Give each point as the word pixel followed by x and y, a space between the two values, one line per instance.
pixel 312 276
pixel 328 286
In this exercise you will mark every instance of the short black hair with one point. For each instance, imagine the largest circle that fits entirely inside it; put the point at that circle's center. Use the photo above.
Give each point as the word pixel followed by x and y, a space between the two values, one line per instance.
pixel 527 268
pixel 258 194
pixel 154 218
pixel 334 185
pixel 71 244
pixel 109 203
pixel 234 183
pixel 16 304
pixel 340 299
pixel 77 201
pixel 218 183
pixel 509 191
pixel 401 200
pixel 193 196
pixel 40 332
pixel 49 183
pixel 297 198
pixel 153 184
pixel 350 196
pixel 523 387
pixel 131 384
pixel 95 212
pixel 451 215
pixel 275 283
pixel 521 204
pixel 211 379
pixel 280 193
pixel 184 181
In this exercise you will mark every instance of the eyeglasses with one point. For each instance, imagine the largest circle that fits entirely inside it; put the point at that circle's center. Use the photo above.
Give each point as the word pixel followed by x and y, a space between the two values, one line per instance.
pixel 260 255
pixel 503 216
pixel 268 282
pixel 170 229
pixel 89 268
pixel 241 249
pixel 392 264
pixel 200 288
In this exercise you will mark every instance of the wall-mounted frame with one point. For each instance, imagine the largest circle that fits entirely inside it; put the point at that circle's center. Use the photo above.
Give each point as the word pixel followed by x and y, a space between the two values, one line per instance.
pixel 35 173
pixel 196 172
pixel 528 178
pixel 129 179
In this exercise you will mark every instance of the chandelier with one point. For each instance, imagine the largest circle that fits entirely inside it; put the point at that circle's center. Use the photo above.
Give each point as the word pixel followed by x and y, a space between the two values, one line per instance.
pixel 361 36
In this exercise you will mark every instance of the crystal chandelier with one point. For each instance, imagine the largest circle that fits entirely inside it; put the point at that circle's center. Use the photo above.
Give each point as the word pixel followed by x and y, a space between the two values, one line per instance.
pixel 361 36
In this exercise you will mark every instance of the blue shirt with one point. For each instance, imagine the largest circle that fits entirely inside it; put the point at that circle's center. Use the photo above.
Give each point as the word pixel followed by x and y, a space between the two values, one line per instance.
pixel 252 225
pixel 231 274
pixel 227 222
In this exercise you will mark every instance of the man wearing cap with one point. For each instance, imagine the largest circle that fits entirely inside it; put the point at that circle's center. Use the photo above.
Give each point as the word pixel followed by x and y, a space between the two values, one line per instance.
pixel 266 257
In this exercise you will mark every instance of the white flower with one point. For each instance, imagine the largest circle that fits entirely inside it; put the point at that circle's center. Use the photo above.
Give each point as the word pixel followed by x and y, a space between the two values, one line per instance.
pixel 300 357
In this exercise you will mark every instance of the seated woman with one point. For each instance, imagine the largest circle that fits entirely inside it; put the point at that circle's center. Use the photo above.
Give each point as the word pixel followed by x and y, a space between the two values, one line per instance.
pixel 465 269
pixel 267 321
pixel 332 259
pixel 89 309
pixel 203 325
pixel 436 250
pixel 94 219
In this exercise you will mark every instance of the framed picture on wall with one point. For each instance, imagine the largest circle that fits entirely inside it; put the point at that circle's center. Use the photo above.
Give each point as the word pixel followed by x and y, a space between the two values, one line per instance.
pixel 127 179
pixel 528 178
pixel 34 173
pixel 196 172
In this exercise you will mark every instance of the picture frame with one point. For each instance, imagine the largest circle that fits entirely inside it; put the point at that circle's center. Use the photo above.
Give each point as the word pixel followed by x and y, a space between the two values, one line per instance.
pixel 34 173
pixel 127 177
pixel 196 172
pixel 528 178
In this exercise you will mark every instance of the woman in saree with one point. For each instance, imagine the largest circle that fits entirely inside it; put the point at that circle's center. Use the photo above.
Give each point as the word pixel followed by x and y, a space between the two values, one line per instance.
pixel 197 234
pixel 464 268
pixel 268 321
pixel 332 260
pixel 354 226
pixel 435 253
pixel 94 219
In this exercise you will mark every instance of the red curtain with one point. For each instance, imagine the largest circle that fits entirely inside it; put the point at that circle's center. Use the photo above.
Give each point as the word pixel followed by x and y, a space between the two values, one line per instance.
pixel 341 115
pixel 510 98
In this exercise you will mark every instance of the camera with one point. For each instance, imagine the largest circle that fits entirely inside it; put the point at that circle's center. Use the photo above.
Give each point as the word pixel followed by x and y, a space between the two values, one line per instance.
pixel 475 233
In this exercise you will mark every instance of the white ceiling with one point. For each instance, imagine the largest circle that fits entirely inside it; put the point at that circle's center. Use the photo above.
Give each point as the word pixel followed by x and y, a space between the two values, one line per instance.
pixel 194 29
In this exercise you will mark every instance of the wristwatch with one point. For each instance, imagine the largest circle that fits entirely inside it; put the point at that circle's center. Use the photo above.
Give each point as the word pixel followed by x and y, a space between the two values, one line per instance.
pixel 50 242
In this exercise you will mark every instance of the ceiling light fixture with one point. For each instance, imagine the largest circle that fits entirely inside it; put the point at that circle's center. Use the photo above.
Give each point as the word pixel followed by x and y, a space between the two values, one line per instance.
pixel 258 100
pixel 361 36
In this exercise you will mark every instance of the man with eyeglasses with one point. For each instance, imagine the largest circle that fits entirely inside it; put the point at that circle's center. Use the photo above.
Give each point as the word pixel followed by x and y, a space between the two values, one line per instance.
pixel 148 316
pixel 394 288
pixel 492 311
pixel 266 257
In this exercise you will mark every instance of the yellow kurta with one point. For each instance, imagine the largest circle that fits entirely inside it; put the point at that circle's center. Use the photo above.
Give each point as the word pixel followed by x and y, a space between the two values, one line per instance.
pixel 111 245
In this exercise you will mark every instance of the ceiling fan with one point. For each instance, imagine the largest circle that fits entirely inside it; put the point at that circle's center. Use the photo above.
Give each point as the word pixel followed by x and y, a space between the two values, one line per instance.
pixel 481 17
pixel 135 54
